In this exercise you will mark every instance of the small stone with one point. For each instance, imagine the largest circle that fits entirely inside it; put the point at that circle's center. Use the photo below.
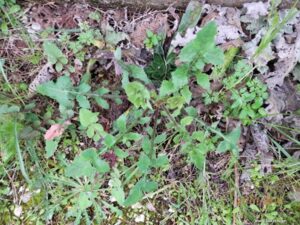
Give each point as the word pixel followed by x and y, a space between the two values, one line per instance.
pixel 110 183
pixel 26 197
pixel 150 207
pixel 112 199
pixel 137 206
pixel 36 26
pixel 140 218
pixel 18 211
pixel 171 210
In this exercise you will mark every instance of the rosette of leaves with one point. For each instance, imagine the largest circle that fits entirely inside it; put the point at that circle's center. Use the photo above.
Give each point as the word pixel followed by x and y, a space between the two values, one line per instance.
pixel 54 55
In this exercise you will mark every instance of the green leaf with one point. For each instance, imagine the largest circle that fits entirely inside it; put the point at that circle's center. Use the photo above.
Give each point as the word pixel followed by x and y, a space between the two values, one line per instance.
pixel 203 80
pixel 144 163
pixel 102 91
pixel 4 27
pixel 146 145
pixel 186 121
pixel 149 186
pixel 160 138
pixel 134 71
pixel 8 139
pixel 87 164
pixel 83 101
pixel 121 123
pixel 138 94
pixel 102 102
pixel 84 201
pixel 214 56
pixel 51 147
pixel 94 131
pixel 149 33
pixel 63 60
pixel 160 161
pixel 223 146
pixel 92 157
pixel 86 117
pixel 117 190
pixel 234 135
pixel 5 109
pixel 229 56
pixel 137 192
pixel 53 53
pixel 254 208
pixel 175 102
pixel 191 111
pixel 109 140
pixel 59 91
pixel 84 88
pixel 100 165
pixel 230 141
pixel 203 41
pixel 80 167
pixel 180 76
pixel 135 195
pixel 118 53
pixel 199 64
pixel 197 158
pixel 186 94
pixel 121 154
pixel 257 103
pixel 14 9
pixel 58 67
pixel 262 112
pixel 166 88
pixel 132 136
pixel 191 16
pixel 199 136
pixel 202 48
pixel 158 67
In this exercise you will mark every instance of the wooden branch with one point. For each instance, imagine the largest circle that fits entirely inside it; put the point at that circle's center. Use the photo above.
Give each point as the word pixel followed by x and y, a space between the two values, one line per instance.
pixel 181 4
pixel 163 4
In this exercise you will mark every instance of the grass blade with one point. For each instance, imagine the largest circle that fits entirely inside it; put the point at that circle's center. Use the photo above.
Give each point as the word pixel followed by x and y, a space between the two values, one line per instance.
pixel 20 157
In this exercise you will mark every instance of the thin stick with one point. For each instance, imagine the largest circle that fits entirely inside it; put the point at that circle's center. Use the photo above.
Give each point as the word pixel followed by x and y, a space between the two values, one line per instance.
pixel 236 188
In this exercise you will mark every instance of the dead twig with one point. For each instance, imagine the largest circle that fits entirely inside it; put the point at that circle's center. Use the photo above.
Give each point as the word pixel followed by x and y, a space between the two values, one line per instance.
pixel 236 189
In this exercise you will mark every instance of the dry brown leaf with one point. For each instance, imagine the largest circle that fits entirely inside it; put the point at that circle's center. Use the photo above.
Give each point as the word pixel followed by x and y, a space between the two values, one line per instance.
pixel 247 157
pixel 288 58
pixel 257 9
pixel 56 130
pixel 190 35
pixel 156 24
pixel 282 99
pixel 45 74
pixel 261 141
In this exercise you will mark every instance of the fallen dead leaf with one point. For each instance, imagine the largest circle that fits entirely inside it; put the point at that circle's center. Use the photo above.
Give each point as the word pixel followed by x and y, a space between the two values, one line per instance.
pixel 261 141
pixel 56 130
pixel 45 74
pixel 18 211
pixel 256 9
pixel 156 23
pixel 288 58
pixel 150 207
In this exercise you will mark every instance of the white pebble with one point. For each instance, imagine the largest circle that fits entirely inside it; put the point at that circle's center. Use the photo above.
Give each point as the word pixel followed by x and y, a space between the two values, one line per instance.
pixel 140 218
pixel 18 211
